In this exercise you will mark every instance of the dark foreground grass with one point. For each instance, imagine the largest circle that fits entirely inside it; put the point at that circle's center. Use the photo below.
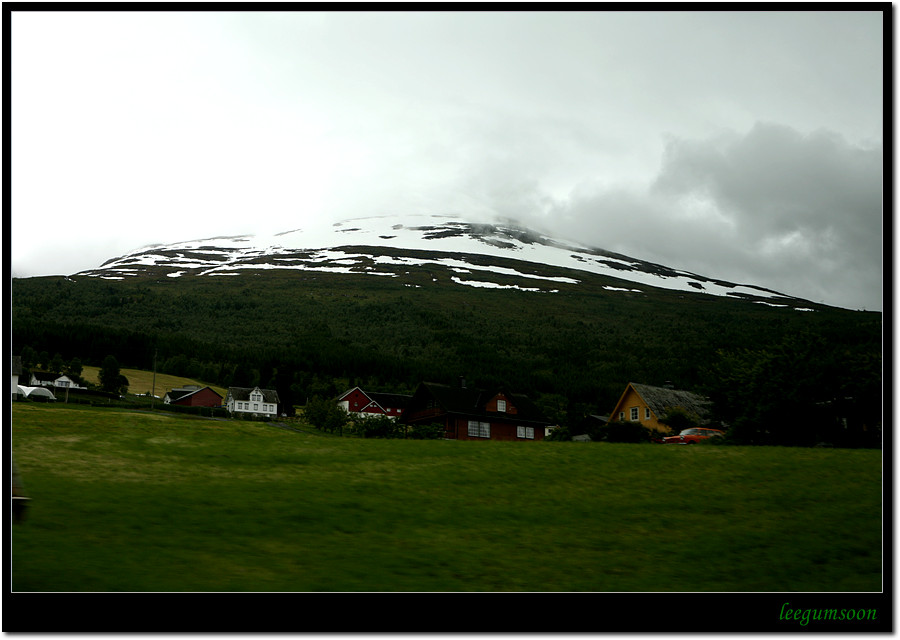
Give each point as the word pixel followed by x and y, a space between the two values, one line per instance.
pixel 127 501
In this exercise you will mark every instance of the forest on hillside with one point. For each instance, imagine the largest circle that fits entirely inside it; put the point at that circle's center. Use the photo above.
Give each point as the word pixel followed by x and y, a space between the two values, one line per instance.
pixel 767 369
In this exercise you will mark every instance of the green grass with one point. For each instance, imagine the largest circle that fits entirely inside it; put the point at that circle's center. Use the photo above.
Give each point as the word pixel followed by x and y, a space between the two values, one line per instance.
pixel 131 501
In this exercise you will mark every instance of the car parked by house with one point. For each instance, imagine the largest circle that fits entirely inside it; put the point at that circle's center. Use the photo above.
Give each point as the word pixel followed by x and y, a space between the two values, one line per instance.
pixel 693 436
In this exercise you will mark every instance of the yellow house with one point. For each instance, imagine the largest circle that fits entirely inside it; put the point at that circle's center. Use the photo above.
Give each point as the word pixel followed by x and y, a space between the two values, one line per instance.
pixel 645 404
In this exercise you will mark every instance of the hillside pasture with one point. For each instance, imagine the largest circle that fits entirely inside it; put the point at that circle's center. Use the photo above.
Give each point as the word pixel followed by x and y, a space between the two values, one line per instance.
pixel 142 382
pixel 147 501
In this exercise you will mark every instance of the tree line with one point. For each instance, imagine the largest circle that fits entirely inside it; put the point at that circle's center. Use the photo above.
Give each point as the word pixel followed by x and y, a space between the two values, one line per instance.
pixel 768 370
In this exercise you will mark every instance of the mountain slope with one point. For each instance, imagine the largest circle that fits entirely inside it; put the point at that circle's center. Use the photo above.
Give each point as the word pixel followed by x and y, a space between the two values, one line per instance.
pixel 474 255
pixel 315 321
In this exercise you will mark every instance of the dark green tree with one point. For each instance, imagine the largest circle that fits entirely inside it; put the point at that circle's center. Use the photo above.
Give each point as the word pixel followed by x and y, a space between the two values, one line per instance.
pixel 177 365
pixel 777 394
pixel 74 368
pixel 57 363
pixel 29 357
pixel 324 414
pixel 110 375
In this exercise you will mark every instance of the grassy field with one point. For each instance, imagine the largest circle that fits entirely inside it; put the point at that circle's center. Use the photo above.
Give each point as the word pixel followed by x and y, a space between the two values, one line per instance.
pixel 140 381
pixel 140 501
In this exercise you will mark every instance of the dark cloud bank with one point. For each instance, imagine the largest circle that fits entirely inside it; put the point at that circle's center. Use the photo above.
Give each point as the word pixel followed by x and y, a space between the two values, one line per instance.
pixel 802 214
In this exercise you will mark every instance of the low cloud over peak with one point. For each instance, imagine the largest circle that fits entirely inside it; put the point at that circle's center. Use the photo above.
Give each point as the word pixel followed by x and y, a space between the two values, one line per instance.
pixel 798 212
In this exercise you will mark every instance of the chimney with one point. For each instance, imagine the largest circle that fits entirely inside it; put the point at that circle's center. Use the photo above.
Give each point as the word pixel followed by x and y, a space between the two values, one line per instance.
pixel 668 385
pixel 462 382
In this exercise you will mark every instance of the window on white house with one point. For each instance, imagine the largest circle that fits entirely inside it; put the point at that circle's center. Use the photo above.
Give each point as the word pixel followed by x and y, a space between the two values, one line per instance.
pixel 479 429
pixel 501 405
pixel 255 407
pixel 634 414
pixel 525 432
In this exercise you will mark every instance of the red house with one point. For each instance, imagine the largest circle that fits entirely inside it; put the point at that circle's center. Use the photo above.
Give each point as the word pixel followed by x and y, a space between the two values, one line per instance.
pixel 193 396
pixel 474 414
pixel 357 401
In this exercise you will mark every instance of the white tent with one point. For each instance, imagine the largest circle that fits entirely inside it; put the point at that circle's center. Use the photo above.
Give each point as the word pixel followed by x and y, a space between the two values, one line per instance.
pixel 36 392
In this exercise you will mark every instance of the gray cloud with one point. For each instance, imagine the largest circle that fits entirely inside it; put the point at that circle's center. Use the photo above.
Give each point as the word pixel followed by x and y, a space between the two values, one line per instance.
pixel 798 213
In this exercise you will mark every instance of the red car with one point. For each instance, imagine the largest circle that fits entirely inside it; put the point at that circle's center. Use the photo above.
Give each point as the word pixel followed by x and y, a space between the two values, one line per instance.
pixel 693 436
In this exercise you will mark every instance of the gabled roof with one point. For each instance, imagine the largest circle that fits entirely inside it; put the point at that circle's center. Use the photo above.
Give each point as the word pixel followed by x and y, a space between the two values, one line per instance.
pixel 180 394
pixel 45 376
pixel 660 399
pixel 385 400
pixel 243 393
pixel 471 403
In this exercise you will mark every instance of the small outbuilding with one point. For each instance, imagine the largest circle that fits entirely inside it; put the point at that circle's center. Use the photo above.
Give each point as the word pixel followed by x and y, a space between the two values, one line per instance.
pixel 193 396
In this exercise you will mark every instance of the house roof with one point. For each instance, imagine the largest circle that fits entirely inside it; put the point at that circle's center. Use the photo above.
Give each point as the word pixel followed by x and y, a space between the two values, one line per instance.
pixel 660 399
pixel 17 365
pixel 180 394
pixel 471 403
pixel 45 376
pixel 397 400
pixel 243 393
pixel 383 400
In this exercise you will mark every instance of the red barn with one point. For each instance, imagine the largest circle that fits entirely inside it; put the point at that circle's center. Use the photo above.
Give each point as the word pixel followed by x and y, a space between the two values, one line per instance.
pixel 358 401
pixel 474 414
pixel 193 396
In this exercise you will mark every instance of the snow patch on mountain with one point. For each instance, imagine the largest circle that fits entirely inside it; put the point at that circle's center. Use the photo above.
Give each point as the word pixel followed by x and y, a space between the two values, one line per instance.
pixel 354 245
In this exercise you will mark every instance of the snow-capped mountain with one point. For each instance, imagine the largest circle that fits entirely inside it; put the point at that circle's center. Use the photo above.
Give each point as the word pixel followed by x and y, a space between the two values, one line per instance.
pixel 477 255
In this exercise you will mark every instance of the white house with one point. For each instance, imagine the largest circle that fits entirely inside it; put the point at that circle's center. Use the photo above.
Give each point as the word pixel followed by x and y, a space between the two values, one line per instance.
pixel 42 379
pixel 254 401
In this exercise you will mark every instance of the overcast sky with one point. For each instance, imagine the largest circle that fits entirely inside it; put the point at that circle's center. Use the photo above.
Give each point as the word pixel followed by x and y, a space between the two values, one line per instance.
pixel 743 146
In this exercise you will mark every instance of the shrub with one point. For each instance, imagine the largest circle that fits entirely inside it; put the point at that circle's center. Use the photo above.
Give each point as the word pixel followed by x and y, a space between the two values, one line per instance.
pixel 378 426
pixel 625 432
pixel 677 419
pixel 433 431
